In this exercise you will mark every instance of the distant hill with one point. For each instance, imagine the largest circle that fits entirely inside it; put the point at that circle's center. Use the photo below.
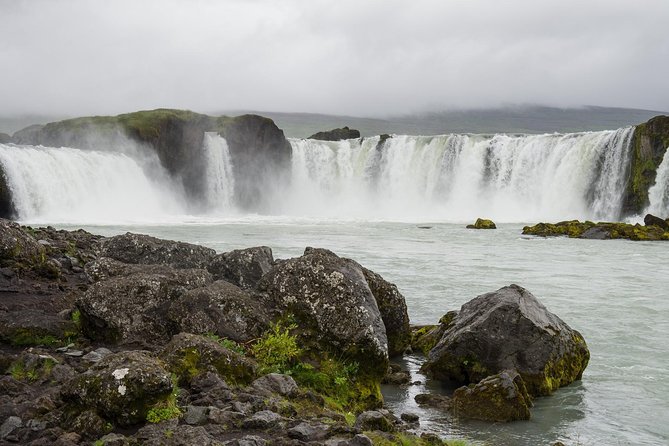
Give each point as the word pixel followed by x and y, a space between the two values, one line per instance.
pixel 517 119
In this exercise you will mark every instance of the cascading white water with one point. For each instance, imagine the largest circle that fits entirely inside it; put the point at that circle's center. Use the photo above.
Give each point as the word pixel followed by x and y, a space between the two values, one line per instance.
pixel 220 179
pixel 71 185
pixel 658 194
pixel 460 177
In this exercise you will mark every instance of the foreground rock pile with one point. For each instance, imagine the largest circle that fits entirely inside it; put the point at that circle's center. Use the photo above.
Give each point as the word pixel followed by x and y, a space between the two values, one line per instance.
pixel 134 340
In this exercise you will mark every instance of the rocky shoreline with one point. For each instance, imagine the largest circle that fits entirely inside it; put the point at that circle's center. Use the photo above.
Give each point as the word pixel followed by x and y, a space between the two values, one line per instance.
pixel 132 340
pixel 654 228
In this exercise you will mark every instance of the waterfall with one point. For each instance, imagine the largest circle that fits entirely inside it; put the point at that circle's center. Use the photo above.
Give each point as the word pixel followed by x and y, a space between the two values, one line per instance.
pixel 658 194
pixel 71 185
pixel 461 177
pixel 220 183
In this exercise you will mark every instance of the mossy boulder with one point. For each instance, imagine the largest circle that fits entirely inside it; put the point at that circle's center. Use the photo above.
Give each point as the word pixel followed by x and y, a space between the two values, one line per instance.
pixel 649 144
pixel 35 327
pixel 482 223
pixel 144 249
pixel 132 309
pixel 333 305
pixel 122 387
pixel 509 329
pixel 189 355
pixel 220 308
pixel 425 337
pixel 18 247
pixel 599 231
pixel 498 398
pixel 336 134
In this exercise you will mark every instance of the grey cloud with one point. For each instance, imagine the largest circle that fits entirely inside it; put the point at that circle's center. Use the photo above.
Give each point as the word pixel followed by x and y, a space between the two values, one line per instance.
pixel 339 56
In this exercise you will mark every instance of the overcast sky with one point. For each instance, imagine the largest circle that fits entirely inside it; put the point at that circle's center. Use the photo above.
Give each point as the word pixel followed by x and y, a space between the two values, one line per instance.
pixel 365 58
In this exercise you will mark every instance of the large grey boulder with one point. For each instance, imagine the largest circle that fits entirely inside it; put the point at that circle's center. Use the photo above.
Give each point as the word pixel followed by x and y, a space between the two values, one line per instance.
pixel 133 309
pixel 144 249
pixel 333 304
pixel 243 267
pixel 17 246
pixel 509 329
pixel 122 387
pixel 220 308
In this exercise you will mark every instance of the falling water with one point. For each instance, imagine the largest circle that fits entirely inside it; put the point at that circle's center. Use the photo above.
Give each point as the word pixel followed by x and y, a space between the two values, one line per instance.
pixel 460 177
pixel 71 185
pixel 658 194
pixel 220 182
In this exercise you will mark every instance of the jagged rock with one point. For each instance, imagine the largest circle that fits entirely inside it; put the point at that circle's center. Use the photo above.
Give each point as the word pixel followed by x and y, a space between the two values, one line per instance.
pixel 333 305
pixel 650 220
pixel 144 249
pixel 283 385
pixel 9 427
pixel 122 387
pixel 242 267
pixel 220 308
pixel 17 246
pixel 188 355
pixel 500 397
pixel 373 420
pixel 393 309
pixel 336 134
pixel 196 415
pixel 308 432
pixel 90 426
pixel 482 223
pixel 264 419
pixel 133 309
pixel 97 354
pixel 509 329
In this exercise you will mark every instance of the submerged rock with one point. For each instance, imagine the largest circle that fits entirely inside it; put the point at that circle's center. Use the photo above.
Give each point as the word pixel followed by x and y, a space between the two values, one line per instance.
pixel 502 397
pixel 336 134
pixel 482 223
pixel 509 329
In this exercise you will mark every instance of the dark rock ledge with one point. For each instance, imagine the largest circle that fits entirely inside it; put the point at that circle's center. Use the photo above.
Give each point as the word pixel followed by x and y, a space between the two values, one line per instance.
pixel 654 228
pixel 132 340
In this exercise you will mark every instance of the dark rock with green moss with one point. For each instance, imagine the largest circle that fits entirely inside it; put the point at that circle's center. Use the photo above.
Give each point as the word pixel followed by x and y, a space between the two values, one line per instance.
pixel 649 144
pixel 501 397
pixel 336 134
pixel 188 355
pixel 425 337
pixel 482 223
pixel 509 329
pixel 599 231
pixel 652 220
pixel 124 387
pixel 333 306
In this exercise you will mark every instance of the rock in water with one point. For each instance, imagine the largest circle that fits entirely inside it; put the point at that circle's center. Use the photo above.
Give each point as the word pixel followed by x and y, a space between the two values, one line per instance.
pixel 482 223
pixel 652 220
pixel 336 134
pixel 501 397
pixel 509 329
pixel 333 304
